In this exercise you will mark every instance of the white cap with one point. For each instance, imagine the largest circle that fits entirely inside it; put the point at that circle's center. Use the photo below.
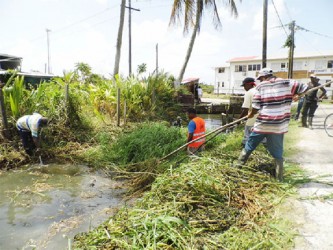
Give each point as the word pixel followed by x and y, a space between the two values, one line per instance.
pixel 265 72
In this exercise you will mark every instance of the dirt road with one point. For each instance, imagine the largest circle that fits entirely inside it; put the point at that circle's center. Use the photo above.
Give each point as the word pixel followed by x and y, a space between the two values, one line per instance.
pixel 316 156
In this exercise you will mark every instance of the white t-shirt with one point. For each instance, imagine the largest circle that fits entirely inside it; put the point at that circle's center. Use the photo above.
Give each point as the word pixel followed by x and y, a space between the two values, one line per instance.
pixel 29 123
pixel 248 97
pixel 199 92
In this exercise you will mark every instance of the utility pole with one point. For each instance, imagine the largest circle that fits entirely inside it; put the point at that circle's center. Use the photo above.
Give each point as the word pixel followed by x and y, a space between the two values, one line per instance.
pixel 264 36
pixel 48 52
pixel 291 49
pixel 129 7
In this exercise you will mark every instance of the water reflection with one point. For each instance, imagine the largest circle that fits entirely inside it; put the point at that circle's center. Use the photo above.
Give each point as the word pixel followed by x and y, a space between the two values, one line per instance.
pixel 213 121
pixel 35 203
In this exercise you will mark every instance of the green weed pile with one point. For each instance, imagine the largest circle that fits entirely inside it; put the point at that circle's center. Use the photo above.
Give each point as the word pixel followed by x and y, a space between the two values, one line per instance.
pixel 204 203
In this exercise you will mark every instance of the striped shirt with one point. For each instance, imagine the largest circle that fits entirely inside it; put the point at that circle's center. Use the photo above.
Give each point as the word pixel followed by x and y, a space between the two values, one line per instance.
pixel 273 100
pixel 29 123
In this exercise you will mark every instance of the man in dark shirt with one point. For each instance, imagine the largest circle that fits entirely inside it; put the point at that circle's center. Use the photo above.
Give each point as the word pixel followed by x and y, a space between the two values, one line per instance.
pixel 310 103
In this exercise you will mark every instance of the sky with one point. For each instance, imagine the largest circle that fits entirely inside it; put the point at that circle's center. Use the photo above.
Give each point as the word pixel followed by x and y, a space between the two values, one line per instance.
pixel 86 31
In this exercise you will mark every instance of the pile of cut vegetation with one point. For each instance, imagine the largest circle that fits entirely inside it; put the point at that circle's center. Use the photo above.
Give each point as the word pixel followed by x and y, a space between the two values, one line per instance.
pixel 203 203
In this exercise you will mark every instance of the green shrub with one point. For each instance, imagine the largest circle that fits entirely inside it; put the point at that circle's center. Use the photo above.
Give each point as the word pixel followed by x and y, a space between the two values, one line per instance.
pixel 149 140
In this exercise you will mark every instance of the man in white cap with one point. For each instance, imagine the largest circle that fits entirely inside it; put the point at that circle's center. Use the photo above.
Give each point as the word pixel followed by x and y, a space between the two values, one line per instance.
pixel 310 104
pixel 272 100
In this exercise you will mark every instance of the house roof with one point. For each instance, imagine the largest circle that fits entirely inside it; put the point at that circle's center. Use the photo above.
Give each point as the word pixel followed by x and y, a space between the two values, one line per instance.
pixel 244 58
pixel 192 79
pixel 9 61
pixel 282 55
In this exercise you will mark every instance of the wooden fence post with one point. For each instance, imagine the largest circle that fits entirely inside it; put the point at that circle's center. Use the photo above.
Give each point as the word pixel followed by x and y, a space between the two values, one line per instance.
pixel 3 113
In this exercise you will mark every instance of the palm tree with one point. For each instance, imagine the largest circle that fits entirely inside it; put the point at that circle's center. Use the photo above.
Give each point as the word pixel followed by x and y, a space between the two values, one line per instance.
pixel 119 38
pixel 193 12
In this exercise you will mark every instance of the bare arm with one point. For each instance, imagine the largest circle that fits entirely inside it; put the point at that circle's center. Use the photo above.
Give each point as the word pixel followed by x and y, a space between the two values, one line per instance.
pixel 190 137
pixel 244 112
pixel 323 90
pixel 253 112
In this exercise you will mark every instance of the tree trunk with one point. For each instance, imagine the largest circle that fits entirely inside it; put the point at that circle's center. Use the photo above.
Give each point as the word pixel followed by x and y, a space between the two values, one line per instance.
pixel 119 38
pixel 191 44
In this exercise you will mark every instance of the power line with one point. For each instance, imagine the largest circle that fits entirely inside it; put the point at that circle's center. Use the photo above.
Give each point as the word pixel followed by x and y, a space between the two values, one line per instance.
pixel 287 10
pixel 84 19
pixel 319 34
pixel 277 13
pixel 80 30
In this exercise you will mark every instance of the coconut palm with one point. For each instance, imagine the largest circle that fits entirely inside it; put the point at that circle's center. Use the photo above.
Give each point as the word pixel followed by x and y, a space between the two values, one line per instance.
pixel 119 38
pixel 193 10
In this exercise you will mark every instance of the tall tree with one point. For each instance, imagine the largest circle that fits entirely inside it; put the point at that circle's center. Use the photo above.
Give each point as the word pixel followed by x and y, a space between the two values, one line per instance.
pixel 119 38
pixel 193 10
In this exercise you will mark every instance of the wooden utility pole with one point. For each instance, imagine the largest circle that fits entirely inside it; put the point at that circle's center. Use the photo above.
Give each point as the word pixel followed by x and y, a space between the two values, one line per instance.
pixel 129 7
pixel 264 36
pixel 117 58
pixel 48 52
pixel 291 49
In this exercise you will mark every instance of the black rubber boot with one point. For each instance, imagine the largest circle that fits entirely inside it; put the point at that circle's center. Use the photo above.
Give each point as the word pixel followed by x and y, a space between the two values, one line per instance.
pixel 279 169
pixel 310 122
pixel 304 124
pixel 242 159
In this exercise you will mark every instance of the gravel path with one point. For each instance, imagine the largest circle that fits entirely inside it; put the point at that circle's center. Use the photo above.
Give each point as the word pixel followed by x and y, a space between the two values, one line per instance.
pixel 316 156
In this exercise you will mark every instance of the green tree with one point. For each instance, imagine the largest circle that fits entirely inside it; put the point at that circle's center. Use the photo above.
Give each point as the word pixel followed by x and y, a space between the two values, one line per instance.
pixel 83 71
pixel 193 12
pixel 142 68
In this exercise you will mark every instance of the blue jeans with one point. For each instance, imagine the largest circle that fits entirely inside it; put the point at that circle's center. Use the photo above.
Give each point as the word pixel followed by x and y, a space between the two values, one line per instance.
pixel 274 143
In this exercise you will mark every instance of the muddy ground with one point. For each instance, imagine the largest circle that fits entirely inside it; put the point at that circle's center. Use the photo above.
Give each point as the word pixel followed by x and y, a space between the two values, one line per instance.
pixel 314 213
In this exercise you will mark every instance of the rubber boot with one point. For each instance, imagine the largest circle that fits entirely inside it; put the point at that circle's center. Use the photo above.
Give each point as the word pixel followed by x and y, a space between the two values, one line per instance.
pixel 242 159
pixel 279 169
pixel 310 122
pixel 304 122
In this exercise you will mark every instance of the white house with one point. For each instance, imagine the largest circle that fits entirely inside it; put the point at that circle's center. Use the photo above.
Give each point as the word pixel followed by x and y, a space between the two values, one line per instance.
pixel 229 77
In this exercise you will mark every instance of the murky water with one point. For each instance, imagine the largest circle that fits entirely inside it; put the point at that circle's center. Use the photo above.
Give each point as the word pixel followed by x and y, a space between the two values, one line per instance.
pixel 43 207
pixel 213 121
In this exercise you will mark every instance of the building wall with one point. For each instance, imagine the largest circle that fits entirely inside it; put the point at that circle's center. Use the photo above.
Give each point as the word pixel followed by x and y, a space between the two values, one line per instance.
pixel 322 66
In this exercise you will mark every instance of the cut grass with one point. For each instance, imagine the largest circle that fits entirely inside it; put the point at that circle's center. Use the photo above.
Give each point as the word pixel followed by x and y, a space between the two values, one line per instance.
pixel 203 203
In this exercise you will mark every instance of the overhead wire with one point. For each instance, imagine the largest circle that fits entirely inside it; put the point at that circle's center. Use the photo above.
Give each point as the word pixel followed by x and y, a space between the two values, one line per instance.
pixel 84 19
pixel 277 13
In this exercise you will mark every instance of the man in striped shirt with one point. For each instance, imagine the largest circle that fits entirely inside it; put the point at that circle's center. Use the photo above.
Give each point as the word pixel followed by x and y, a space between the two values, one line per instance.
pixel 272 100
pixel 29 129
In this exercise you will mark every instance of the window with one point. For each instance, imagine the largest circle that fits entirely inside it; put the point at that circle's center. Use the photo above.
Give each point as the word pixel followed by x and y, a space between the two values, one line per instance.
pixel 283 66
pixel 240 68
pixel 254 67
pixel 330 64
pixel 221 70
pixel 222 84
pixel 329 85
